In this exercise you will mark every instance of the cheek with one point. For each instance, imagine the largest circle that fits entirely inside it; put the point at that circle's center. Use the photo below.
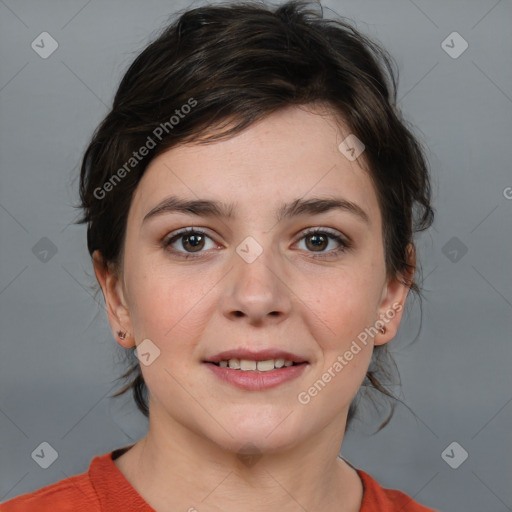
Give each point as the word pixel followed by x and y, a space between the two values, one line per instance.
pixel 166 306
pixel 347 305
pixel 169 308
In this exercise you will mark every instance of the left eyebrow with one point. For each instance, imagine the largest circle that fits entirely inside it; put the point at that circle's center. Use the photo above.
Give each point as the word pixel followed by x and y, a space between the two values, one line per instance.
pixel 208 208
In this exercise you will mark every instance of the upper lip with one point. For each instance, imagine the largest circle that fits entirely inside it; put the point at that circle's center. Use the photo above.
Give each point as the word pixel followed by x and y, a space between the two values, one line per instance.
pixel 259 355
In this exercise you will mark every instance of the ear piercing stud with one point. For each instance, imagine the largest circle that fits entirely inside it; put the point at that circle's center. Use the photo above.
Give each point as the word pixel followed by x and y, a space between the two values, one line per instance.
pixel 121 334
pixel 382 329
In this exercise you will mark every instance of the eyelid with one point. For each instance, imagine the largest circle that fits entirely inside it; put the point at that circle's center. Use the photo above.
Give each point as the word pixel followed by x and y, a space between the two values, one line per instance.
pixel 184 231
pixel 327 231
pixel 166 240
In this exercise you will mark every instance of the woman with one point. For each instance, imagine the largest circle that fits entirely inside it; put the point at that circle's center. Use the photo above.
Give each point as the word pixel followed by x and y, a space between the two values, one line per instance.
pixel 251 201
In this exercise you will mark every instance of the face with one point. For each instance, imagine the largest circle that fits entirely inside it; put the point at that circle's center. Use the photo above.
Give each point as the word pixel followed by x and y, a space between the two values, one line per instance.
pixel 269 280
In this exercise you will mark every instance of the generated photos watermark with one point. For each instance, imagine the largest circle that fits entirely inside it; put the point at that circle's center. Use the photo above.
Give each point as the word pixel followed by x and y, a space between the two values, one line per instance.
pixel 137 156
pixel 343 360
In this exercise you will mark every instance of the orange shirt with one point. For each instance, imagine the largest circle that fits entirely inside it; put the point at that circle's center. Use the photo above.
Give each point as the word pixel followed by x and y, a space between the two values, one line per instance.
pixel 104 488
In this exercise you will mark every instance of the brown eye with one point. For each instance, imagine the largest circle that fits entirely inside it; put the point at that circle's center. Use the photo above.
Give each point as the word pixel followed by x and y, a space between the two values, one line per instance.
pixel 187 242
pixel 194 242
pixel 318 242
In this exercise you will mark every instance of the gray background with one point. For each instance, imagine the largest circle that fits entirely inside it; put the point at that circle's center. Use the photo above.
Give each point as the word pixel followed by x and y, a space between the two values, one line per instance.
pixel 58 358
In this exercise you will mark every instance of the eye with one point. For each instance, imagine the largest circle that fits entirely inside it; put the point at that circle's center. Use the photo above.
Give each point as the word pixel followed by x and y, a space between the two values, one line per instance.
pixel 317 240
pixel 188 241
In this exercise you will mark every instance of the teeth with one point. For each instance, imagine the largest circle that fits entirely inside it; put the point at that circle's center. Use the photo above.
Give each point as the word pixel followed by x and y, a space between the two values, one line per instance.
pixel 265 366
pixel 247 365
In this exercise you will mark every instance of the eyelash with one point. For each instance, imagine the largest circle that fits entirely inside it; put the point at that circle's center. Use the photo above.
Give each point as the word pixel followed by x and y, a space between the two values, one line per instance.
pixel 344 244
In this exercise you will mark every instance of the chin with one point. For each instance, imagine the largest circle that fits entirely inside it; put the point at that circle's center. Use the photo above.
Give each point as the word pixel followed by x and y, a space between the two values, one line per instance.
pixel 261 436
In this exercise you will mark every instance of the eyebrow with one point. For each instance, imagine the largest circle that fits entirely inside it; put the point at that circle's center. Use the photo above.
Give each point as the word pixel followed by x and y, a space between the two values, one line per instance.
pixel 209 208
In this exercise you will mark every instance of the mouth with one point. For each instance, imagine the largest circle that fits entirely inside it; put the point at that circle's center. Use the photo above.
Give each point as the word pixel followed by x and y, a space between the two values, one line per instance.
pixel 248 365
pixel 262 361
pixel 256 371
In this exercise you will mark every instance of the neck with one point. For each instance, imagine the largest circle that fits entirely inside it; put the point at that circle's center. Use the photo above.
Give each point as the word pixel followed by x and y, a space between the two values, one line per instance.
pixel 176 469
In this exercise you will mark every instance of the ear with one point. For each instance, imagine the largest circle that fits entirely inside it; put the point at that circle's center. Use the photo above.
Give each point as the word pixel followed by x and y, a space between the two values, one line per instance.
pixel 113 292
pixel 393 300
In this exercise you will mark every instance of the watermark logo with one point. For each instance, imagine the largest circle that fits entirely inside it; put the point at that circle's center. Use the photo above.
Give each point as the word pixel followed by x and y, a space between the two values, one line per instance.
pixel 249 249
pixel 249 454
pixel 454 45
pixel 454 455
pixel 146 352
pixel 44 250
pixel 45 455
pixel 44 45
pixel 454 249
pixel 351 147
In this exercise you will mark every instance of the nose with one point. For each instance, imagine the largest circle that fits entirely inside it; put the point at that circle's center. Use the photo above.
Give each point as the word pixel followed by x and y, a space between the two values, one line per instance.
pixel 257 292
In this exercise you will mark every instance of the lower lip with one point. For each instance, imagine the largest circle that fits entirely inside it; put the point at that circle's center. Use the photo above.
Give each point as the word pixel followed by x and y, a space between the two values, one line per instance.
pixel 257 381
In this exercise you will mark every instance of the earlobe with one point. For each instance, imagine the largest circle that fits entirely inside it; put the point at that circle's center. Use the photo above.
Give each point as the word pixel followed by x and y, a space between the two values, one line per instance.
pixel 117 311
pixel 393 301
pixel 389 322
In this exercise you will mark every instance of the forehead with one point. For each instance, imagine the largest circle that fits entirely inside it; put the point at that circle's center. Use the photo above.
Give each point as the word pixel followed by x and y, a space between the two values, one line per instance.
pixel 292 153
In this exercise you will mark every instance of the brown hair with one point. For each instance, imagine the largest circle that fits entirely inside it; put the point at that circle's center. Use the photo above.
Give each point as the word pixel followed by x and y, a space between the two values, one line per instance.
pixel 231 65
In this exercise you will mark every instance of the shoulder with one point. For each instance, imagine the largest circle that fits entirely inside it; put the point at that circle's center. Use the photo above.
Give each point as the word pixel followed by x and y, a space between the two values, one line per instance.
pixel 379 499
pixel 74 493
pixel 102 487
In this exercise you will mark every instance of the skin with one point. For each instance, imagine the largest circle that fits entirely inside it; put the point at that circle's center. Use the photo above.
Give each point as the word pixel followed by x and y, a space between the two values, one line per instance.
pixel 287 298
